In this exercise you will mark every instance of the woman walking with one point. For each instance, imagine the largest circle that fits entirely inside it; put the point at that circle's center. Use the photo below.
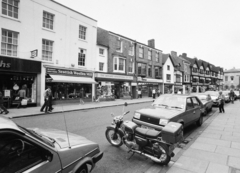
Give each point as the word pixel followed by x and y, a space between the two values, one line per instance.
pixel 221 102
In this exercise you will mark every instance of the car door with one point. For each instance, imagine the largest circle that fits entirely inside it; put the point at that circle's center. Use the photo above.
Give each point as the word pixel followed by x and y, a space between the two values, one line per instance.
pixel 188 115
pixel 197 108
pixel 18 154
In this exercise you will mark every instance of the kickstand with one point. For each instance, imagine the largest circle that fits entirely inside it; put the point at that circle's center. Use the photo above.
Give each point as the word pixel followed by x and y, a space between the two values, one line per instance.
pixel 130 155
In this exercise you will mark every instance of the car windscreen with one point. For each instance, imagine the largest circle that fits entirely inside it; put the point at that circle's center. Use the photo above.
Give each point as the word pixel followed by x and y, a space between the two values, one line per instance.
pixel 170 101
pixel 212 93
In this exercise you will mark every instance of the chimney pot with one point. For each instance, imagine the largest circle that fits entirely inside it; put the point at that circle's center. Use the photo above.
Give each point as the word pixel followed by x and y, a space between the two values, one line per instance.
pixel 184 55
pixel 151 43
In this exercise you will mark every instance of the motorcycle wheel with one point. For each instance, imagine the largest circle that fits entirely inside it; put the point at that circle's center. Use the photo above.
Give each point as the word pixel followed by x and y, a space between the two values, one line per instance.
pixel 115 140
pixel 165 158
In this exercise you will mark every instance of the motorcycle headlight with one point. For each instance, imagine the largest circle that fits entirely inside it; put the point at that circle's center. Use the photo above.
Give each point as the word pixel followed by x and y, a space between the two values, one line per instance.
pixel 163 122
pixel 137 115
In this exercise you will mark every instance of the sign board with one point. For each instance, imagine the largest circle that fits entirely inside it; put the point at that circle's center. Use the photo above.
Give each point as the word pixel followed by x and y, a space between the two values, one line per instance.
pixel 112 76
pixel 34 53
pixel 57 71
pixel 7 93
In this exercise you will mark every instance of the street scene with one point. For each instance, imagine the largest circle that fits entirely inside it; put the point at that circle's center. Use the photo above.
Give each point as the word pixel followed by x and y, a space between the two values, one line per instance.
pixel 119 86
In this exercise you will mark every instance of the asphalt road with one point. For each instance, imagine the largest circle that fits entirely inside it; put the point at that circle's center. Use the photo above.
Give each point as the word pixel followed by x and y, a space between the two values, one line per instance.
pixel 92 124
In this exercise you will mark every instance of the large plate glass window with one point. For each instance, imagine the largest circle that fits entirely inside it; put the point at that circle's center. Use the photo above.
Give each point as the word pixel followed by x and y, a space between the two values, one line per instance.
pixel 47 50
pixel 10 8
pixel 48 20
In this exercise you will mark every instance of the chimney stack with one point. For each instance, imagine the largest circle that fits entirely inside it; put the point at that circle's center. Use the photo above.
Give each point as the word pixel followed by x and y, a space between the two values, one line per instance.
pixel 151 43
pixel 184 55
pixel 173 54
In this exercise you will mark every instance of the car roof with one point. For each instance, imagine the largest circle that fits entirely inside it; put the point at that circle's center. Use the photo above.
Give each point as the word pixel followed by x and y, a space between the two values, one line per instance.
pixel 6 123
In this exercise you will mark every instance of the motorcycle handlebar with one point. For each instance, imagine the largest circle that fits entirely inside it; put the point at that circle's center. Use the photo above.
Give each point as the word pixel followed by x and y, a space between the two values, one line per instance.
pixel 126 112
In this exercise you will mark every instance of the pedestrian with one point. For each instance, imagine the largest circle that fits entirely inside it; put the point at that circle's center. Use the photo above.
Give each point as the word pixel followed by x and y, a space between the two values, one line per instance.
pixel 22 95
pixel 153 93
pixel 221 102
pixel 231 95
pixel 81 96
pixel 50 100
pixel 138 91
pixel 45 95
pixel 3 109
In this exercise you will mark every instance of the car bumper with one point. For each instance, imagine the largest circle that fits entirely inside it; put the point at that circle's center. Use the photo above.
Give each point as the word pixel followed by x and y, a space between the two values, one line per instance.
pixel 141 123
pixel 97 157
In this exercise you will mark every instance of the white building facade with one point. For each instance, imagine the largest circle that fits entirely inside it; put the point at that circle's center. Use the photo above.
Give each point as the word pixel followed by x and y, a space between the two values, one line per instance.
pixel 168 74
pixel 62 41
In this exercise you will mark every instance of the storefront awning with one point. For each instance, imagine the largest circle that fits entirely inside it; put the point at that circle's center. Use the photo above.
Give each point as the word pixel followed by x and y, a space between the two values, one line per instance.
pixel 72 79
pixel 150 80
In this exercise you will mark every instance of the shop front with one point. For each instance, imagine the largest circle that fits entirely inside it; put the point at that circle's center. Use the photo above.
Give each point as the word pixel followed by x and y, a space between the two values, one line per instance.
pixel 113 86
pixel 19 74
pixel 146 85
pixel 69 86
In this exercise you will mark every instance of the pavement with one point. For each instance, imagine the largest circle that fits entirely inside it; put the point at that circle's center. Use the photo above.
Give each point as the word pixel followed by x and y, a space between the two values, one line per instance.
pixel 212 148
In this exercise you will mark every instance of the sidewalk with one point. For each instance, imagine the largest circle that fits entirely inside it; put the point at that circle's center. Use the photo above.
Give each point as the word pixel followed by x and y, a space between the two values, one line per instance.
pixel 216 148
pixel 34 111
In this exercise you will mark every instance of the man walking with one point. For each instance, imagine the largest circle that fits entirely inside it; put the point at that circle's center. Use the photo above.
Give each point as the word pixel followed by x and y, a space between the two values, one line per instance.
pixel 153 93
pixel 221 102
pixel 46 101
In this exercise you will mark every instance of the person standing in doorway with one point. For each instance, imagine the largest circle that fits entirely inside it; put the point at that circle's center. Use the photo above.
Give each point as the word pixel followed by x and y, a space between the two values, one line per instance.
pixel 2 107
pixel 153 93
pixel 22 95
pixel 221 102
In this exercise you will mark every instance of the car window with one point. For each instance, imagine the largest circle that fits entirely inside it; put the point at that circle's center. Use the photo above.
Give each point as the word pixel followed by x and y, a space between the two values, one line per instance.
pixel 195 102
pixel 170 101
pixel 17 154
pixel 189 104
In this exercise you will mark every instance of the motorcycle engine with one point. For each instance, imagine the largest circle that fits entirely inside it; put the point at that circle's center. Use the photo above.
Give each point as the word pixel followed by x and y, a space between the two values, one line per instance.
pixel 156 149
pixel 130 141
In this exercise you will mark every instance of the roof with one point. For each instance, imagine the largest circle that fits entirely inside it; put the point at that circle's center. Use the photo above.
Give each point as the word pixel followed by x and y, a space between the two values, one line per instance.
pixel 164 58
pixel 102 37
pixel 233 70
pixel 177 61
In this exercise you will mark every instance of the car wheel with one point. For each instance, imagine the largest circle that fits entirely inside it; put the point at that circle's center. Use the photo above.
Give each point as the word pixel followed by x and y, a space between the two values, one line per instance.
pixel 83 169
pixel 200 121
pixel 210 110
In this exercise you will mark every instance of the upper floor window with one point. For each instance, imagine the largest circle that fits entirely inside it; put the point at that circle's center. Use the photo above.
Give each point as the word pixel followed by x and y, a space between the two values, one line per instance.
pixel 168 67
pixel 82 57
pixel 178 78
pixel 101 64
pixel 47 50
pixel 156 71
pixel 119 46
pixel 82 32
pixel 232 77
pixel 157 56
pixel 130 67
pixel 226 78
pixel 9 43
pixel 101 51
pixel 149 70
pixel 201 71
pixel 195 70
pixel 186 78
pixel 168 77
pixel 10 8
pixel 48 20
pixel 140 52
pixel 131 50
pixel 119 64
pixel 149 54
pixel 142 69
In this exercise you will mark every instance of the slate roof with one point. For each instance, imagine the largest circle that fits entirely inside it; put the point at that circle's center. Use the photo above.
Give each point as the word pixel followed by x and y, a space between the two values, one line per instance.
pixel 164 58
pixel 102 37
pixel 177 61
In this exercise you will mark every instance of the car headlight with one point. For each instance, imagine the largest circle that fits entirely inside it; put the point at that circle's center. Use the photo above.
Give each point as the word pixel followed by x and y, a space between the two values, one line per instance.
pixel 163 122
pixel 137 115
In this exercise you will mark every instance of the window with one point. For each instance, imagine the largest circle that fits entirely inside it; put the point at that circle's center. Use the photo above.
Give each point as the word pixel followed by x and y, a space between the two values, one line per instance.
pixel 101 64
pixel 189 104
pixel 9 43
pixel 186 78
pixel 195 102
pixel 232 77
pixel 194 70
pixel 226 78
pixel 201 71
pixel 131 50
pixel 149 54
pixel 10 8
pixel 142 69
pixel 168 67
pixel 82 57
pixel 47 50
pixel 140 52
pixel 156 71
pixel 130 67
pixel 157 56
pixel 101 51
pixel 48 20
pixel 168 77
pixel 119 64
pixel 119 46
pixel 178 78
pixel 149 70
pixel 82 32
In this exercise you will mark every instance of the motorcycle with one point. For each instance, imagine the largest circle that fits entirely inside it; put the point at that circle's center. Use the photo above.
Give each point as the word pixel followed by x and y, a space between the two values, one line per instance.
pixel 155 145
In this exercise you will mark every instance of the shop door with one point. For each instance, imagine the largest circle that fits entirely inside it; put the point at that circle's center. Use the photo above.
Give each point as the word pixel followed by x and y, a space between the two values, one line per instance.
pixel 134 92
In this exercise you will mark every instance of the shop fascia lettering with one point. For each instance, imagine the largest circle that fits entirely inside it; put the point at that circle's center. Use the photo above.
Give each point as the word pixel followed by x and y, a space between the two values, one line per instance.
pixel 68 72
pixel 4 65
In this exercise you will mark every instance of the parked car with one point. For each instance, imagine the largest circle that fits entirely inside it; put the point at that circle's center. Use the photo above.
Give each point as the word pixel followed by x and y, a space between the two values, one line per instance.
pixel 207 102
pixel 44 150
pixel 226 95
pixel 214 96
pixel 237 94
pixel 184 109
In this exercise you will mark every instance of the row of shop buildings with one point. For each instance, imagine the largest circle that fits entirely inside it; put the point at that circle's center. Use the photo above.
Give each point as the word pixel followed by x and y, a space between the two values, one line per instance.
pixel 53 45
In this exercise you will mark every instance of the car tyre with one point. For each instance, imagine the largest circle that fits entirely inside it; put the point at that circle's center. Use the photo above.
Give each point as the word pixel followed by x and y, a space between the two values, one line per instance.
pixel 83 169
pixel 200 121
pixel 210 110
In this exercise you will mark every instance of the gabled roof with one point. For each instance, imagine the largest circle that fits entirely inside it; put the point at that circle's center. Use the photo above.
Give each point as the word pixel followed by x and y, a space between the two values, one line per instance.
pixel 165 57
pixel 178 63
pixel 191 60
pixel 102 37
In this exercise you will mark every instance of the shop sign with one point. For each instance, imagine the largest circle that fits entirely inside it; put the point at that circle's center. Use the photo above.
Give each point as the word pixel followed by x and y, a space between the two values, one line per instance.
pixel 68 72
pixel 139 79
pixel 112 76
pixel 4 64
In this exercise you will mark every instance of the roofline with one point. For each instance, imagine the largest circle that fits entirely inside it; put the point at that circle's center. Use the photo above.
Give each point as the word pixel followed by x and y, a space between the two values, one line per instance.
pixel 73 10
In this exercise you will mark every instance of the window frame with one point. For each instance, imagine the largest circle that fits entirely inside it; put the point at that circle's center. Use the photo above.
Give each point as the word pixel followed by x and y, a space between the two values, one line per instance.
pixel 13 6
pixel 149 54
pixel 82 34
pixel 102 54
pixel 168 67
pixel 157 56
pixel 48 58
pixel 140 53
pixel 82 63
pixel 101 66
pixel 131 66
pixel 119 46
pixel 131 50
pixel 14 38
pixel 143 68
pixel 168 77
pixel 150 70
pixel 53 16
pixel 116 64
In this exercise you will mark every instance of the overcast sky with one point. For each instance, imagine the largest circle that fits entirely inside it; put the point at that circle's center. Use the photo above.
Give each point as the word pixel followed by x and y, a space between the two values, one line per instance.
pixel 206 29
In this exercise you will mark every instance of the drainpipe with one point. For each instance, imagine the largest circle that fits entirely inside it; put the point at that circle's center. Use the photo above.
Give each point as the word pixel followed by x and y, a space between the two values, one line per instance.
pixel 135 68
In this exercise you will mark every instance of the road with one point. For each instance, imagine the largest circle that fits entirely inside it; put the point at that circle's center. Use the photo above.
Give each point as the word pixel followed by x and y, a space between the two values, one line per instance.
pixel 92 124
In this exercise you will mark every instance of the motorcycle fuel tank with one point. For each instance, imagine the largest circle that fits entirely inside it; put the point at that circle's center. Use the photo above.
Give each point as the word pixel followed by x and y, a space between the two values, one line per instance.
pixel 129 126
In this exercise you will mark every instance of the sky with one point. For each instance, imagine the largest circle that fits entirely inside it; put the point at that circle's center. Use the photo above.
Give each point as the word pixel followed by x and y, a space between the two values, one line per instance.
pixel 206 29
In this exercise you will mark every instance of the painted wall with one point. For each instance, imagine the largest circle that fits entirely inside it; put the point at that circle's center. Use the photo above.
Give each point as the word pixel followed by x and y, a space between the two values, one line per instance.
pixel 101 58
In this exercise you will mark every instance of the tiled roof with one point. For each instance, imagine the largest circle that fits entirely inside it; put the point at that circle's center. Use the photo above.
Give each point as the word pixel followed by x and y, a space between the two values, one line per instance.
pixel 164 58
pixel 177 61
pixel 102 37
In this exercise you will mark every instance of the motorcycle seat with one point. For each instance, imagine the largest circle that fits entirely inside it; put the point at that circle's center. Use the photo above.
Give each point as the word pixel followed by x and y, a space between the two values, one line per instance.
pixel 147 132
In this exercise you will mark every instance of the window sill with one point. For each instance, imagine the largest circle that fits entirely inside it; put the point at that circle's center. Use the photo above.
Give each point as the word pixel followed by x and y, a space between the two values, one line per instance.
pixel 101 55
pixel 79 39
pixel 116 71
pixel 11 18
pixel 49 62
pixel 48 30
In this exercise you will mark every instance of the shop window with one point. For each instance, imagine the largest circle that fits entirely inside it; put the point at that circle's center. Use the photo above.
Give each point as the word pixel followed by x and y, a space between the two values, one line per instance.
pixel 82 57
pixel 82 32
pixel 150 71
pixel 130 67
pixel 140 52
pixel 48 20
pixel 9 43
pixel 10 8
pixel 47 50
pixel 119 64
pixel 101 64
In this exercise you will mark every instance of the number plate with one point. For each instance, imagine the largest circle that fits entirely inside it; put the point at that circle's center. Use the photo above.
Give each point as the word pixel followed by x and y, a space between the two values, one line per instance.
pixel 145 127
